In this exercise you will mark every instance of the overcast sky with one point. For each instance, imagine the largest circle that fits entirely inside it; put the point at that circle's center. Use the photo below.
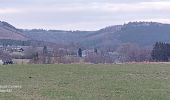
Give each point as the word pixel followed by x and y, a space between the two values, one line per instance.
pixel 81 14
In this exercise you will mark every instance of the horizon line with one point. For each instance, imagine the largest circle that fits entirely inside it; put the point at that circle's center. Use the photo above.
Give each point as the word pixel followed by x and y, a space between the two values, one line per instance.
pixel 50 29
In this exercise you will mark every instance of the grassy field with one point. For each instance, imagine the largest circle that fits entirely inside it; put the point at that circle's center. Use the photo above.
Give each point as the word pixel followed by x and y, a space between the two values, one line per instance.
pixel 86 82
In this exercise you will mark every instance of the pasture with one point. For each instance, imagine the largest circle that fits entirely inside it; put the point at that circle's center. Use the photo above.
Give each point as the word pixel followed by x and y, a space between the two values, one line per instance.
pixel 85 82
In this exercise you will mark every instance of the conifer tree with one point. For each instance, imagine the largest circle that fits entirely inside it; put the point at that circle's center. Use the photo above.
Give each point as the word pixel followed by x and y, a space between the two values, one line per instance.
pixel 80 52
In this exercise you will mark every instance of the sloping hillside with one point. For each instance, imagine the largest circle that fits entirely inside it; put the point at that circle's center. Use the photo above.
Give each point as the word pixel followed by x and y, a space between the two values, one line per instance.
pixel 144 33
pixel 7 31
pixel 105 37
pixel 140 33
pixel 56 36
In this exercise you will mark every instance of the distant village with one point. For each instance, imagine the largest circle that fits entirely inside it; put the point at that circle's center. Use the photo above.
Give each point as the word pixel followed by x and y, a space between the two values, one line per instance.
pixel 47 55
pixel 52 54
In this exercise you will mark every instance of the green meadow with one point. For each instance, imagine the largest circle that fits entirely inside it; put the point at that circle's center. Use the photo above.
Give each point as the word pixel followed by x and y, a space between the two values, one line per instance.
pixel 85 82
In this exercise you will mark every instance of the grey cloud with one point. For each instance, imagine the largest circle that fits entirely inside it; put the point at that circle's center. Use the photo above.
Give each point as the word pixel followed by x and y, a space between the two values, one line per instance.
pixel 78 14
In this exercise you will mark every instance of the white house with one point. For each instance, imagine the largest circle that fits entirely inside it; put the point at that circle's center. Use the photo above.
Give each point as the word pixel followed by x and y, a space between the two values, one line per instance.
pixel 1 62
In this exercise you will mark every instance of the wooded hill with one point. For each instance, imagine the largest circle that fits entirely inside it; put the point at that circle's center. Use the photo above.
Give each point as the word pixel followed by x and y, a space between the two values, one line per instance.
pixel 144 34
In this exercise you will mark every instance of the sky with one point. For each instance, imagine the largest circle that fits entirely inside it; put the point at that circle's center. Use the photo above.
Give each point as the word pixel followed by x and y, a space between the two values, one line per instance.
pixel 81 14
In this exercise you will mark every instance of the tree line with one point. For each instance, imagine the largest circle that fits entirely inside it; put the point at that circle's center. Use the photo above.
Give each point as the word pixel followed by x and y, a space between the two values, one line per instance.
pixel 161 52
pixel 6 42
